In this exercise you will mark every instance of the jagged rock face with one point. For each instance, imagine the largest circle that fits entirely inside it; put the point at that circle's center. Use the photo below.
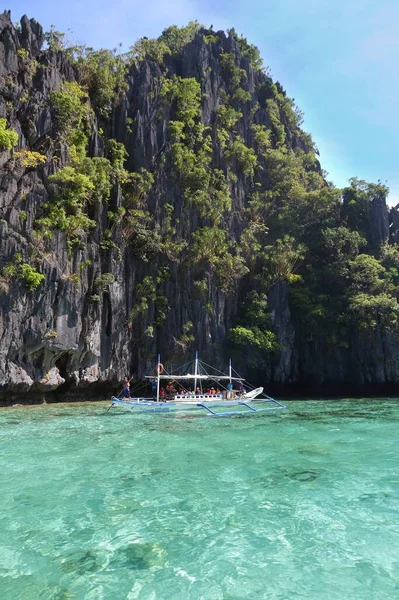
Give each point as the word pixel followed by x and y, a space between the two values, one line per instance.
pixel 58 338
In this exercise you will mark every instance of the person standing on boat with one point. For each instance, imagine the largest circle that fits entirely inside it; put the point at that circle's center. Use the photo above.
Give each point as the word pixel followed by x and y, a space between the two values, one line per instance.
pixel 126 388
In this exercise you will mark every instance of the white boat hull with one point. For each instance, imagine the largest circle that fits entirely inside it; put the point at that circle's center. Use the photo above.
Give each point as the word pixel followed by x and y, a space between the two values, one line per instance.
pixel 204 403
pixel 253 393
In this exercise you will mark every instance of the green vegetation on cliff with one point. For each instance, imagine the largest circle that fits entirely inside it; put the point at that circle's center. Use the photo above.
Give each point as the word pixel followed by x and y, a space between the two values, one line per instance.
pixel 8 137
pixel 182 163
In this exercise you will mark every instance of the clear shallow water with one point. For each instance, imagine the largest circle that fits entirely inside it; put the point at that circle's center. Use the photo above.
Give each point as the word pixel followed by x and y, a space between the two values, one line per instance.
pixel 302 503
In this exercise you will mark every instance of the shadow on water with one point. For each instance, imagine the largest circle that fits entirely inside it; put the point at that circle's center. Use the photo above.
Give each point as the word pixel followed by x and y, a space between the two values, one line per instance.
pixel 303 476
pixel 314 451
pixel 81 562
pixel 380 498
pixel 56 593
pixel 129 479
pixel 139 557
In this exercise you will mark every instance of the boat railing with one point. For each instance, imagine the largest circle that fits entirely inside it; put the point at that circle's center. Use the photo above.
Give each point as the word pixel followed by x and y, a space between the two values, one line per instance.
pixel 188 397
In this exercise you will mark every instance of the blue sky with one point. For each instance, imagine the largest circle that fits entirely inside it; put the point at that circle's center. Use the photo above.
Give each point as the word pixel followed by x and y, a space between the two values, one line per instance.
pixel 338 59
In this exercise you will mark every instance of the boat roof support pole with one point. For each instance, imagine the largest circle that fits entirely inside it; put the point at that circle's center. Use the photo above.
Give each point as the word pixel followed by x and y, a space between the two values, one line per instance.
pixel 230 369
pixel 196 372
pixel 158 375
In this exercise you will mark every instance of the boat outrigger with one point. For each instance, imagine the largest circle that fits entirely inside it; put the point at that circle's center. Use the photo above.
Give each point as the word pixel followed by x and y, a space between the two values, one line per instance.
pixel 177 394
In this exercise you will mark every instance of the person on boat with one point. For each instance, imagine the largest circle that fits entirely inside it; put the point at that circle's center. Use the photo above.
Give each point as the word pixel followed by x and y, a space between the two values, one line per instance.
pixel 213 391
pixel 126 388
pixel 240 387
pixel 162 393
pixel 198 390
pixel 170 390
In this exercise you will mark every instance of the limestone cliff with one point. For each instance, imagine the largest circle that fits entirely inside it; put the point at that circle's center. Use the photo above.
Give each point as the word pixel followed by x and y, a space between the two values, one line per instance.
pixel 178 245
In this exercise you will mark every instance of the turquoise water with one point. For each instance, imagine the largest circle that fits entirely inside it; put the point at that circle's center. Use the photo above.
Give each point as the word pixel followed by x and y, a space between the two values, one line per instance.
pixel 302 503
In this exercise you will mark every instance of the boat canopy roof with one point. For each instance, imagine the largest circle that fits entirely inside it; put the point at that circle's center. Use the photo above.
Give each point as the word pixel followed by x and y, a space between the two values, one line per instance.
pixel 198 377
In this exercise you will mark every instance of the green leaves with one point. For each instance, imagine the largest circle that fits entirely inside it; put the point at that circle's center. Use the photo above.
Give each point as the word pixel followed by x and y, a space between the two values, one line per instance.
pixel 102 282
pixel 30 277
pixel 368 311
pixel 262 137
pixel 233 73
pixel 366 274
pixel 277 126
pixel 72 189
pixel 211 247
pixel 357 202
pixel 213 199
pixel 342 243
pixel 282 260
pixel 191 166
pixel 242 157
pixel 248 50
pixel 253 329
pixel 242 336
pixel 187 94
pixel 149 49
pixel 8 137
pixel 175 38
pixel 228 116
pixel 30 160
pixel 71 106
pixel 103 73
pixel 72 111
pixel 172 41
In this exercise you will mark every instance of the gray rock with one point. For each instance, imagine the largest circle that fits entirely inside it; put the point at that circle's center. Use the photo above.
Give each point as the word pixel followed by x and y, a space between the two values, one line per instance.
pixel 51 381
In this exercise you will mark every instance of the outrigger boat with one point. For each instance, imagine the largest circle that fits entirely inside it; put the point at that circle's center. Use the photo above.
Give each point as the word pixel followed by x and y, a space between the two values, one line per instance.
pixel 238 401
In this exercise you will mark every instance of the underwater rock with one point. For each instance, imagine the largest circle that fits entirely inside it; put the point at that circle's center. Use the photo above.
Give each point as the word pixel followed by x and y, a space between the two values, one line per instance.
pixel 81 562
pixel 141 556
pixel 303 476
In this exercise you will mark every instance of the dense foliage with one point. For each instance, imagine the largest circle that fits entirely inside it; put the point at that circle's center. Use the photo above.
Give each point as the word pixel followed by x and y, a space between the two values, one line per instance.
pixel 8 137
